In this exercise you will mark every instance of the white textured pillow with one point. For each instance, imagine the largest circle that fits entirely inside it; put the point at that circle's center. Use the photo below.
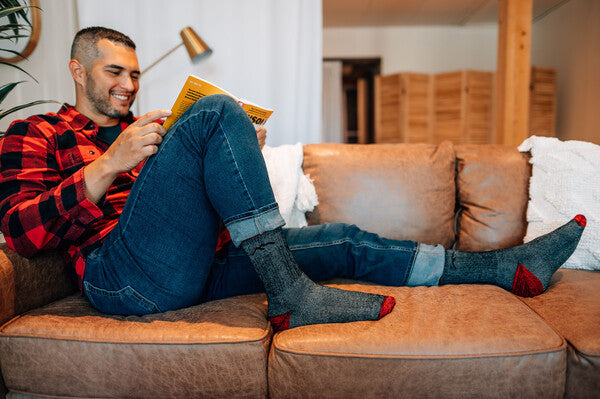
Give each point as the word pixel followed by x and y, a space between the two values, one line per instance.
pixel 294 191
pixel 565 181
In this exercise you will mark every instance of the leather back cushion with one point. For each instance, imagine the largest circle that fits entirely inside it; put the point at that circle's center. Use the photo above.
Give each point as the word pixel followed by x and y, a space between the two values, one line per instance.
pixel 26 284
pixel 400 191
pixel 493 192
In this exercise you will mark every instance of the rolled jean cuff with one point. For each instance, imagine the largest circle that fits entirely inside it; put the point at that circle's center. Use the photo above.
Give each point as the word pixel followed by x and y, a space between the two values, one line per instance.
pixel 428 266
pixel 248 227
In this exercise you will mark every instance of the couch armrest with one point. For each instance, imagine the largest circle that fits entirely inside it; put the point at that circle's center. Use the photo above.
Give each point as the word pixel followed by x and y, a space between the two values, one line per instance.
pixel 26 284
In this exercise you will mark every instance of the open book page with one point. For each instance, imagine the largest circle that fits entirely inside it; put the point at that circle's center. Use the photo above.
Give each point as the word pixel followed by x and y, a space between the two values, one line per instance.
pixel 195 88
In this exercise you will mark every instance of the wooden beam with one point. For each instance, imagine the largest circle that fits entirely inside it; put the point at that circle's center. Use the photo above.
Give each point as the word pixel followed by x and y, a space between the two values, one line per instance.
pixel 513 71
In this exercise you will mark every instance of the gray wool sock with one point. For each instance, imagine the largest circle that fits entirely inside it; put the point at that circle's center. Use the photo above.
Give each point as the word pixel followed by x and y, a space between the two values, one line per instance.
pixel 295 300
pixel 525 270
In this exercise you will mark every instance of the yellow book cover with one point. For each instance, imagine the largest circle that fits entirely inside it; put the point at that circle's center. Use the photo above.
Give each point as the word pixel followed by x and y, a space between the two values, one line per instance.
pixel 195 88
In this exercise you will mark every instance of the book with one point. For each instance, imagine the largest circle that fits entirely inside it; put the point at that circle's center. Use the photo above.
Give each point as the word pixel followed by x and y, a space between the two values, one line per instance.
pixel 195 88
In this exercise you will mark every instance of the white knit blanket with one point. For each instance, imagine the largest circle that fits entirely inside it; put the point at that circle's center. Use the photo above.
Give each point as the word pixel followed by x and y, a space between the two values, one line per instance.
pixel 294 191
pixel 565 181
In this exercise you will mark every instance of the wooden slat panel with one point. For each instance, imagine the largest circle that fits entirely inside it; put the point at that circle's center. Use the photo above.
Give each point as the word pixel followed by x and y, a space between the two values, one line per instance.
pixel 387 114
pixel 417 113
pixel 542 102
pixel 448 112
pixel 479 101
pixel 403 102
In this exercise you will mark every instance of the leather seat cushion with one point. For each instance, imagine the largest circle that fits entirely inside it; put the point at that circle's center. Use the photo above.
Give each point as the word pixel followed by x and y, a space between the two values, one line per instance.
pixel 448 341
pixel 402 191
pixel 571 305
pixel 217 349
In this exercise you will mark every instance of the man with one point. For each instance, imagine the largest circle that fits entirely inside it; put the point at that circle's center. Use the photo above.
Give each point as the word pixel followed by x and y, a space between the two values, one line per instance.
pixel 150 239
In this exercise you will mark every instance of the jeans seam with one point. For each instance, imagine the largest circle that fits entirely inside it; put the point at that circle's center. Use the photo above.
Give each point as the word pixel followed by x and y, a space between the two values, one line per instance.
pixel 272 206
pixel 346 240
pixel 412 263
pixel 246 191
pixel 142 183
pixel 127 290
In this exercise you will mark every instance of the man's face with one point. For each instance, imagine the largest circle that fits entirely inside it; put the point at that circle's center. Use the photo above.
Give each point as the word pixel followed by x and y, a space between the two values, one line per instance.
pixel 113 80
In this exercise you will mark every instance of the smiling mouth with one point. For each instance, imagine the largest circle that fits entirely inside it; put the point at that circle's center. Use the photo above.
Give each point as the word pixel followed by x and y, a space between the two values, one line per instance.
pixel 121 97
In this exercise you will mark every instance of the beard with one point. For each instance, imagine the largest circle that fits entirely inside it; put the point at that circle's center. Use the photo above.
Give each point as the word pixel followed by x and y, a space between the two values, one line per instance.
pixel 101 101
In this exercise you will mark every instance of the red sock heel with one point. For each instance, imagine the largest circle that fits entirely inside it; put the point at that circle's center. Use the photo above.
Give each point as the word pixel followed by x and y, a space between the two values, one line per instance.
pixel 281 322
pixel 526 283
pixel 386 306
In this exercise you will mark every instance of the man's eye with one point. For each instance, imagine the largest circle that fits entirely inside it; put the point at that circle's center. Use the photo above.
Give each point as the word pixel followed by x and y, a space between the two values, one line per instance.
pixel 113 72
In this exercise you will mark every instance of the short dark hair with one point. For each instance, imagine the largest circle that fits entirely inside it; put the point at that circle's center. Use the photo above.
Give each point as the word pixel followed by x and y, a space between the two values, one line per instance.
pixel 85 43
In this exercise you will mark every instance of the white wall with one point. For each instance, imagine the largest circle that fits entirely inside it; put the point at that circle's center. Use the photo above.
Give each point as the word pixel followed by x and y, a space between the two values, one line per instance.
pixel 427 49
pixel 568 39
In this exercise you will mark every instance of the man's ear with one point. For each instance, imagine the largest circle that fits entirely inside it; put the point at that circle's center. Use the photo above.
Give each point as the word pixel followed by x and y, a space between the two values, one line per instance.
pixel 78 72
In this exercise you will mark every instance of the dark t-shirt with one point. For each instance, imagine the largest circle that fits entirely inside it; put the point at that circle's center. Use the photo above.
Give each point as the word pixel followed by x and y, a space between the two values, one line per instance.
pixel 108 134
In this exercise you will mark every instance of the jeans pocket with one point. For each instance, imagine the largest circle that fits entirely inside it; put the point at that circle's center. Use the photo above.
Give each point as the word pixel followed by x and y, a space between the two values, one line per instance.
pixel 126 301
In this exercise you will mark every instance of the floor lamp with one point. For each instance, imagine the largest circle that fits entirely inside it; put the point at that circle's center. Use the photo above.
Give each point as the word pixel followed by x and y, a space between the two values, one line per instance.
pixel 196 47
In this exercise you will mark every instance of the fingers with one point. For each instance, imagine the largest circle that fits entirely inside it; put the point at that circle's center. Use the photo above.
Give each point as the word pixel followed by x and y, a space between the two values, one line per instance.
pixel 151 139
pixel 137 142
pixel 152 128
pixel 150 150
pixel 262 137
pixel 133 132
pixel 152 116
pixel 144 146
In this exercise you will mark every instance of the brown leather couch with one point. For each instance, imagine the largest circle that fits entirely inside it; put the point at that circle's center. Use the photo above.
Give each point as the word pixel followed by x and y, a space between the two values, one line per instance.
pixel 447 341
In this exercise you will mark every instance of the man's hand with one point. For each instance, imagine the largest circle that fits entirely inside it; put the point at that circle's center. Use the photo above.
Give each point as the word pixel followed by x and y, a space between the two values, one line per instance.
pixel 134 144
pixel 262 136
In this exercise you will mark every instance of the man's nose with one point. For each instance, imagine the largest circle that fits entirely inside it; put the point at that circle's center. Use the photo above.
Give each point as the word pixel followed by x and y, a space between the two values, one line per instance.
pixel 128 83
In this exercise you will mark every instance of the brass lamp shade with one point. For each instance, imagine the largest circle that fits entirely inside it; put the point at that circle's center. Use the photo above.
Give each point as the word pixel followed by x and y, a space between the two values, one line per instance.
pixel 194 45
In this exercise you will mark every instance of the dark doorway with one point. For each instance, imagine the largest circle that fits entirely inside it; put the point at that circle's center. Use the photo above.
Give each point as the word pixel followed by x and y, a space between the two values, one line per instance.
pixel 358 84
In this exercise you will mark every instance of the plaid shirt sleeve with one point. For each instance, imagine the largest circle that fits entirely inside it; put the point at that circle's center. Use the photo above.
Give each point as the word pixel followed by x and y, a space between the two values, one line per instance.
pixel 40 207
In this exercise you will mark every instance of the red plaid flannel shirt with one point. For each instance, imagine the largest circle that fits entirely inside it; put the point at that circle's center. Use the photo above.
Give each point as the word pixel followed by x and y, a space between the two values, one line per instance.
pixel 43 205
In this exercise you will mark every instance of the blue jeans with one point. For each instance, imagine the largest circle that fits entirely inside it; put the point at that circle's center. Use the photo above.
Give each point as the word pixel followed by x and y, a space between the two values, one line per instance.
pixel 209 170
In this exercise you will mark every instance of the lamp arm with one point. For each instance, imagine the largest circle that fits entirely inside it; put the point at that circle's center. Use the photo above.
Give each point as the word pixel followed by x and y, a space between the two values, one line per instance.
pixel 161 58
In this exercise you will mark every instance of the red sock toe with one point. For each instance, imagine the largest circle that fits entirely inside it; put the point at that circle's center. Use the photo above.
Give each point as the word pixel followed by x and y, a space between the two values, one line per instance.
pixel 580 219
pixel 386 306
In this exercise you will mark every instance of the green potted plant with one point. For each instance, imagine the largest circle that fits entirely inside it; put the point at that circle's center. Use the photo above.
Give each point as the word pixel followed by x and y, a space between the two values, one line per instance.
pixel 15 24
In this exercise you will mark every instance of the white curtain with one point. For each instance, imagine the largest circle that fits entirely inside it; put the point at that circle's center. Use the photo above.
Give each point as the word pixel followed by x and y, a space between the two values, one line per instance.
pixel 267 51
pixel 332 102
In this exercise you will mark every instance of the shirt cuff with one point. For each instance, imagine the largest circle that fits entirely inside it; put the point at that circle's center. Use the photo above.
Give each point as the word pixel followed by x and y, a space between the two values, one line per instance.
pixel 75 203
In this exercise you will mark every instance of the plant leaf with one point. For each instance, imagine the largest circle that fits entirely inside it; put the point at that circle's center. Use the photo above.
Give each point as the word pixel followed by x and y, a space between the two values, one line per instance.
pixel 12 36
pixel 15 26
pixel 14 52
pixel 19 68
pixel 4 90
pixel 10 3
pixel 7 12
pixel 14 10
pixel 19 107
